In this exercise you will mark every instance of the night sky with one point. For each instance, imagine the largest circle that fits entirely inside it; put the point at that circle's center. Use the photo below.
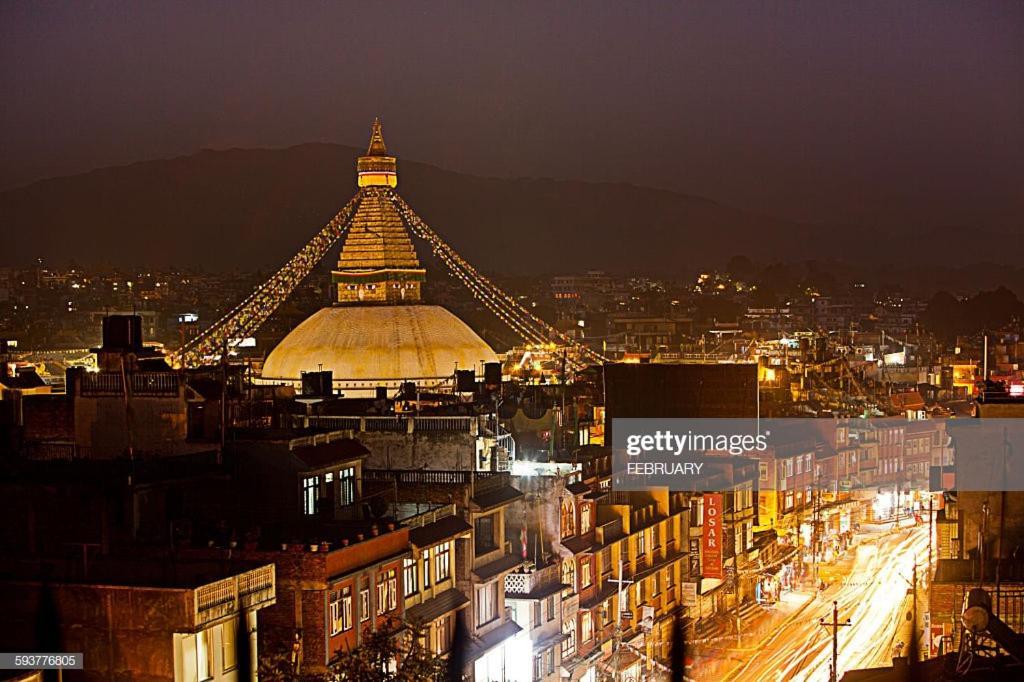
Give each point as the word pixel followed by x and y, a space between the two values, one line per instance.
pixel 896 113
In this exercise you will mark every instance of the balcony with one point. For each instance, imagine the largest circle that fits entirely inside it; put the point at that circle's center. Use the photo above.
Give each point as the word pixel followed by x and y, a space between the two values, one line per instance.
pixel 428 517
pixel 393 424
pixel 484 480
pixel 100 384
pixel 247 591
pixel 520 583
pixel 610 531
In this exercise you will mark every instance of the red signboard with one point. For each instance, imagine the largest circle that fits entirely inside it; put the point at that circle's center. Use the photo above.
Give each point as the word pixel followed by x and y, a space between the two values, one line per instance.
pixel 711 543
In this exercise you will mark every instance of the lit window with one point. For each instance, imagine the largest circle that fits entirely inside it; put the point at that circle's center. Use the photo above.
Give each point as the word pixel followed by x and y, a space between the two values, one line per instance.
pixel 387 591
pixel 310 494
pixel 341 611
pixel 227 645
pixel 486 603
pixel 444 562
pixel 569 574
pixel 204 655
pixel 410 579
pixel 568 518
pixel 347 486
pixel 426 568
pixel 569 643
pixel 364 604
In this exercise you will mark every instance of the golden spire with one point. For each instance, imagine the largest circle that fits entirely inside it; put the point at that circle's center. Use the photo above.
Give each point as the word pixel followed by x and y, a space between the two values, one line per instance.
pixel 376 147
pixel 376 168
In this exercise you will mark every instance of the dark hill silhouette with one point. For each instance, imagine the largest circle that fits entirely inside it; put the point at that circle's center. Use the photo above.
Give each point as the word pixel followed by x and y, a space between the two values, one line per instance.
pixel 252 208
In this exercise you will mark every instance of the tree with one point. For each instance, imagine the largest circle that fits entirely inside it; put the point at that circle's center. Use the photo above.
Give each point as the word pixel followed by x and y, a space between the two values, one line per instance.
pixel 389 654
pixel 741 268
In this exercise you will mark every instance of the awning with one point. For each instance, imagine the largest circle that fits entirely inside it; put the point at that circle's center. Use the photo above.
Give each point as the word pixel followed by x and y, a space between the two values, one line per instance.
pixel 435 607
pixel 480 646
pixel 442 529
pixel 498 566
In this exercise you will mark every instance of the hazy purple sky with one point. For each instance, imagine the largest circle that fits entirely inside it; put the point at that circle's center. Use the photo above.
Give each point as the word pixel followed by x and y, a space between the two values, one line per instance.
pixel 908 112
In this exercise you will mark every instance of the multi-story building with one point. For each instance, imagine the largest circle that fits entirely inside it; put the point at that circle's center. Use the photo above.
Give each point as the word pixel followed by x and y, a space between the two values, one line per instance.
pixel 485 555
pixel 186 622
pixel 491 655
pixel 534 594
pixel 330 593
pixel 430 575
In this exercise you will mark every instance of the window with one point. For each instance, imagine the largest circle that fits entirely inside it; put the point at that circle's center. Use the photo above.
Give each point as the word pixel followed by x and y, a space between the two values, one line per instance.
pixel 335 613
pixel 549 661
pixel 568 518
pixel 426 568
pixel 387 591
pixel 535 611
pixel 550 607
pixel 228 648
pixel 310 494
pixel 762 471
pixel 347 486
pixel 569 573
pixel 442 635
pixel 641 544
pixel 586 626
pixel 655 537
pixel 410 579
pixel 670 577
pixel 696 512
pixel 444 561
pixel 486 603
pixel 483 537
pixel 204 655
pixel 585 518
pixel 341 611
pixel 585 579
pixel 569 643
pixel 364 604
pixel 538 667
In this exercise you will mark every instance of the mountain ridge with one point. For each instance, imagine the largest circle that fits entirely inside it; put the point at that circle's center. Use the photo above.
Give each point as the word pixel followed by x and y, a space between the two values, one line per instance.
pixel 253 207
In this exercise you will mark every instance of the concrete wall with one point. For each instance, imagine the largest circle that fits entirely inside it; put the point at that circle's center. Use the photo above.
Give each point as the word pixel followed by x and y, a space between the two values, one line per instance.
pixel 439 450
pixel 125 633
pixel 101 425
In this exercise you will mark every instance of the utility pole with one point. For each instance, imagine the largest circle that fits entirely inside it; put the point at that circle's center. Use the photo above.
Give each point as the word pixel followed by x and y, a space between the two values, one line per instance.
pixel 815 536
pixel 619 582
pixel 931 532
pixel 833 675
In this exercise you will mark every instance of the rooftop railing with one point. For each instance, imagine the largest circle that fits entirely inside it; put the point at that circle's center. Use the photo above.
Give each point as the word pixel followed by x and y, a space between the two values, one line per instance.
pixel 393 424
pixel 96 384
pixel 227 596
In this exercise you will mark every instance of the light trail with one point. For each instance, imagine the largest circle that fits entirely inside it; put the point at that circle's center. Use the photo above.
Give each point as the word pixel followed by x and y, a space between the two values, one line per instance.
pixel 872 596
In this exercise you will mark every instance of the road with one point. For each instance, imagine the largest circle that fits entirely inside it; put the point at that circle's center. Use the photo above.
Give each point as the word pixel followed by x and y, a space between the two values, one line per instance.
pixel 872 596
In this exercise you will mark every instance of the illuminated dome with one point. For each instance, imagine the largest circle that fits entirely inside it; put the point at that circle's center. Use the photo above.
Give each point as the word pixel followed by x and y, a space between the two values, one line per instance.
pixel 378 333
pixel 379 345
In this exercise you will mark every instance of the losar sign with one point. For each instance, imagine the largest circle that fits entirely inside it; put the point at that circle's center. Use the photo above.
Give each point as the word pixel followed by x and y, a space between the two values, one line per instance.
pixel 711 545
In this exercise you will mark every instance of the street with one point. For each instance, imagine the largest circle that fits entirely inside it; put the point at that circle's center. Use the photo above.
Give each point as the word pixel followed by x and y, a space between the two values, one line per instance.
pixel 871 594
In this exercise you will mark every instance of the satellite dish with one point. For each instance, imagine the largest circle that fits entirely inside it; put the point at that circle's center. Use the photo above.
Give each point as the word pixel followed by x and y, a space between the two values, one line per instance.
pixel 508 408
pixel 534 409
